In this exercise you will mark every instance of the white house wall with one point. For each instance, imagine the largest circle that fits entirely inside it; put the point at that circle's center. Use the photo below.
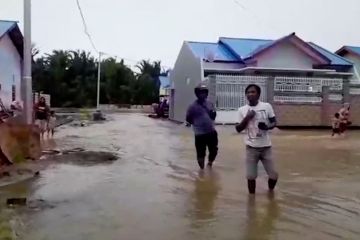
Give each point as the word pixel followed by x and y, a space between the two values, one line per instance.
pixel 285 55
pixel 219 65
pixel 10 70
pixel 187 73
pixel 227 117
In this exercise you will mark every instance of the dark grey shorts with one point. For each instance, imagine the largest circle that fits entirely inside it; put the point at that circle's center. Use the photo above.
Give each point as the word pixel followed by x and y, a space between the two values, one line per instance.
pixel 263 154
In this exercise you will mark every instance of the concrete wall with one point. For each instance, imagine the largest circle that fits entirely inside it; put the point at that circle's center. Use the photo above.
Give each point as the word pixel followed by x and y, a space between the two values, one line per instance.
pixel 227 117
pixel 298 115
pixel 187 73
pixel 304 115
pixel 10 70
pixel 285 55
pixel 355 110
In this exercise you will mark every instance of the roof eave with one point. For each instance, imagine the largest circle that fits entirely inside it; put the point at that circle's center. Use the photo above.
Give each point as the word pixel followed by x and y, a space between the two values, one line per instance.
pixel 292 35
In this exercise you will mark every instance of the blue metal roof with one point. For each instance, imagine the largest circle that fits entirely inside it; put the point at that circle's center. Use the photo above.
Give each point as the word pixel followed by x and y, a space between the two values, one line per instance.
pixel 334 58
pixel 238 49
pixel 221 53
pixel 6 26
pixel 244 47
pixel 164 81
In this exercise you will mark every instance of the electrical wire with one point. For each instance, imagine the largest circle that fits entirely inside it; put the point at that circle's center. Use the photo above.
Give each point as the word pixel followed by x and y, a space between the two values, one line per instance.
pixel 86 31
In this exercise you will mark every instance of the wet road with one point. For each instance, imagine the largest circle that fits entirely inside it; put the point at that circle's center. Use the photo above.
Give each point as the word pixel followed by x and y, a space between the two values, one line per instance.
pixel 154 191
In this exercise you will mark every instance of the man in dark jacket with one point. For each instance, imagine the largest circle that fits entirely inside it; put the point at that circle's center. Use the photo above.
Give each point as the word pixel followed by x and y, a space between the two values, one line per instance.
pixel 201 115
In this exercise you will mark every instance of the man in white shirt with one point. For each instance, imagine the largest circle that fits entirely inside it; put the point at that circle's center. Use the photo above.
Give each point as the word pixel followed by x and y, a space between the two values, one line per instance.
pixel 257 118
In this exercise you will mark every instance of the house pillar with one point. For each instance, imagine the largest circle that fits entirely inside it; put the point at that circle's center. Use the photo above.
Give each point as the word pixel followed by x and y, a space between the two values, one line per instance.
pixel 212 89
pixel 346 90
pixel 270 89
pixel 325 106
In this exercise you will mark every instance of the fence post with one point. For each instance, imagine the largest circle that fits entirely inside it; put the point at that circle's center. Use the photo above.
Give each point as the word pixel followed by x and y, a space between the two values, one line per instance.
pixel 212 89
pixel 325 105
pixel 270 83
pixel 346 90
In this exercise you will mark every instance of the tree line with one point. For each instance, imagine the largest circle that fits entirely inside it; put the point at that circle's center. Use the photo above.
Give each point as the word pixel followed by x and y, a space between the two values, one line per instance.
pixel 70 77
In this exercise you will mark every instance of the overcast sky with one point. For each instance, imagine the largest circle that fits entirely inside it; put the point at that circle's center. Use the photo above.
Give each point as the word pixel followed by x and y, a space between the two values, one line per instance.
pixel 155 29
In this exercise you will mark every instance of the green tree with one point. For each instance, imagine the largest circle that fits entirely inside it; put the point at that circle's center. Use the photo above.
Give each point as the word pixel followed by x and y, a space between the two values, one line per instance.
pixel 70 77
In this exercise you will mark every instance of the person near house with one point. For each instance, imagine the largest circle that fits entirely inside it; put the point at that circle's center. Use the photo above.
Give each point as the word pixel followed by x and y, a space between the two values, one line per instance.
pixel 51 124
pixel 336 125
pixel 344 117
pixel 201 115
pixel 16 108
pixel 41 111
pixel 257 118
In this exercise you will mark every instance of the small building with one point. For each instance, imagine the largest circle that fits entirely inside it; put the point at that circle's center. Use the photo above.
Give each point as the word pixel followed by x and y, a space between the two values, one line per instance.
pixel 305 82
pixel 11 55
pixel 164 90
pixel 352 54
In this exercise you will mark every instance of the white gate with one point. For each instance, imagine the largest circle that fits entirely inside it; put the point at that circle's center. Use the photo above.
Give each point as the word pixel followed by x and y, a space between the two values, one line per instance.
pixel 230 90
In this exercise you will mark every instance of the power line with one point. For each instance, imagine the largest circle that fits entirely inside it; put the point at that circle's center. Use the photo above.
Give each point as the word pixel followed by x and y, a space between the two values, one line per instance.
pixel 85 26
pixel 240 4
pixel 249 11
pixel 86 31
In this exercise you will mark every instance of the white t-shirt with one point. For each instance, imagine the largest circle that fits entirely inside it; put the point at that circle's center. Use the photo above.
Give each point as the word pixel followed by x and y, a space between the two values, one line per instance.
pixel 256 137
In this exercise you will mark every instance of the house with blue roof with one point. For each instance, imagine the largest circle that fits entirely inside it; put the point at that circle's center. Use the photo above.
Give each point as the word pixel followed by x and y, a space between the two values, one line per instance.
pixel 11 56
pixel 164 90
pixel 290 71
pixel 352 54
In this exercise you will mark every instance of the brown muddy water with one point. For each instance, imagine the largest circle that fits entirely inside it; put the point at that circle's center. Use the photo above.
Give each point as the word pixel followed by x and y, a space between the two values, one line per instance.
pixel 154 191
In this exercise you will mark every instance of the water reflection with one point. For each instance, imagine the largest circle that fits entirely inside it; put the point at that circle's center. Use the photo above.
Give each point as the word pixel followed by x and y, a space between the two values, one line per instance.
pixel 261 219
pixel 204 198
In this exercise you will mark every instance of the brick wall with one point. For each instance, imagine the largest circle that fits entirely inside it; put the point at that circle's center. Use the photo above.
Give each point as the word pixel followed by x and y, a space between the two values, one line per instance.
pixel 355 110
pixel 313 114
pixel 298 115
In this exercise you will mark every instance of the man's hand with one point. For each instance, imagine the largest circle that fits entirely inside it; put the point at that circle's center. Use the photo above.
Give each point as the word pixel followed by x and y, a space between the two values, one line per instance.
pixel 250 114
pixel 243 124
pixel 263 126
pixel 212 114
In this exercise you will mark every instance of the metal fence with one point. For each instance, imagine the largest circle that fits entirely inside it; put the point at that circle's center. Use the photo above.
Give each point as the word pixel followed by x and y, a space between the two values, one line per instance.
pixel 230 90
pixel 354 91
pixel 306 84
pixel 297 99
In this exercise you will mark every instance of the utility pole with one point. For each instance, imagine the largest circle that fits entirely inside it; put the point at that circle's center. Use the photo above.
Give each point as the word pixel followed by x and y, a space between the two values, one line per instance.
pixel 98 83
pixel 26 84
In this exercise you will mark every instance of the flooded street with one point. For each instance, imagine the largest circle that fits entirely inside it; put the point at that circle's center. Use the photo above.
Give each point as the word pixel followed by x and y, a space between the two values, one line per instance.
pixel 154 191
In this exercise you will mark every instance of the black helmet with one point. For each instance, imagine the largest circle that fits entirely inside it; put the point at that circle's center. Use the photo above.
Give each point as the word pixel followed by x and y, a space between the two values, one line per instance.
pixel 201 88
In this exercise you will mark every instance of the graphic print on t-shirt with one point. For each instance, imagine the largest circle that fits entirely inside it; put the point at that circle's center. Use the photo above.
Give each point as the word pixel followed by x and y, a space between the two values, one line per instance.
pixel 253 130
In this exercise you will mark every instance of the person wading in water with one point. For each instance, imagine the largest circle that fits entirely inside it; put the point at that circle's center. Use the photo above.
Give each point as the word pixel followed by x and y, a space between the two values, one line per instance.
pixel 201 115
pixel 257 118
pixel 344 117
pixel 41 111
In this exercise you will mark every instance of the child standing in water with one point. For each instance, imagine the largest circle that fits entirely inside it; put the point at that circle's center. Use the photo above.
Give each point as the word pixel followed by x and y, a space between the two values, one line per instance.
pixel 336 125
pixel 51 124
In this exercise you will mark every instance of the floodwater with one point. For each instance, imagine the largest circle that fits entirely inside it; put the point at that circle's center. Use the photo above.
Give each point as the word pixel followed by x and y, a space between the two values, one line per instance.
pixel 154 191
